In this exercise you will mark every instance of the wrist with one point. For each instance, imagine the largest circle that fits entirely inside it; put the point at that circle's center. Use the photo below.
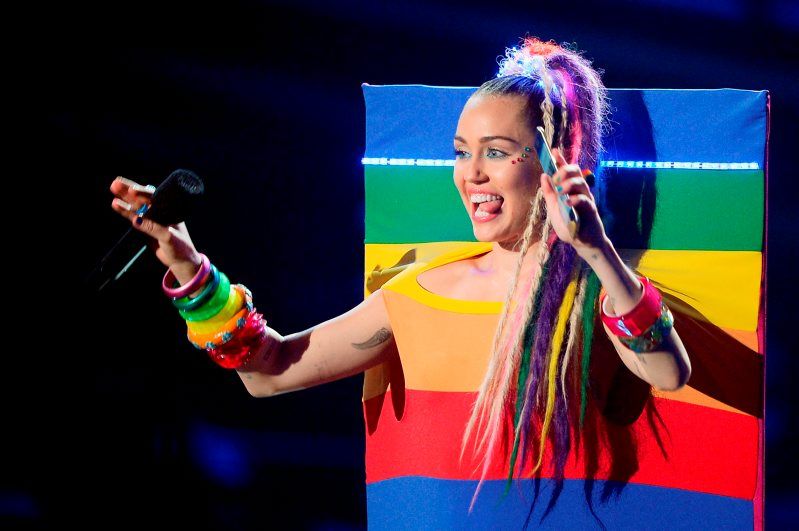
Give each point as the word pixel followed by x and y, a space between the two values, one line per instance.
pixel 185 278
pixel 618 280
pixel 595 251
pixel 185 270
pixel 644 326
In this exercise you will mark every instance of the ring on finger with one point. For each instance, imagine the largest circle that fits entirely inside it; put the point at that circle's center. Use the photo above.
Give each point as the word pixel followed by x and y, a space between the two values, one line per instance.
pixel 142 210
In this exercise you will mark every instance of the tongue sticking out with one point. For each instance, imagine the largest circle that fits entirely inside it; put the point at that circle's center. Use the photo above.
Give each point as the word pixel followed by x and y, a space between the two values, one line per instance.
pixel 490 207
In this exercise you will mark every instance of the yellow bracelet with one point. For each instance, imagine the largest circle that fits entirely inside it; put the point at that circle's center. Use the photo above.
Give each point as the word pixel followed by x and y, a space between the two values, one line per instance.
pixel 227 331
pixel 233 305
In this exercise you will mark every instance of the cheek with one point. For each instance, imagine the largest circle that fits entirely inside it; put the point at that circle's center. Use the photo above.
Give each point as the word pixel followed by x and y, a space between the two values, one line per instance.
pixel 459 182
pixel 523 187
pixel 457 175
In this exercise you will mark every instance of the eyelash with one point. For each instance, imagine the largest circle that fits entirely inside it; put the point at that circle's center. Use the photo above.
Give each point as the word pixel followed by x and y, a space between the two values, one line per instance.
pixel 460 153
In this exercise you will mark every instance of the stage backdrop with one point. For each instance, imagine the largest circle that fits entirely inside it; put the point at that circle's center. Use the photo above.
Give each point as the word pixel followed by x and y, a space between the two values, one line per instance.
pixel 682 192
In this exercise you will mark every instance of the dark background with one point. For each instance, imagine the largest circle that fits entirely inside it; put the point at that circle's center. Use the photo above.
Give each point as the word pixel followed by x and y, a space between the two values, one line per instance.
pixel 111 419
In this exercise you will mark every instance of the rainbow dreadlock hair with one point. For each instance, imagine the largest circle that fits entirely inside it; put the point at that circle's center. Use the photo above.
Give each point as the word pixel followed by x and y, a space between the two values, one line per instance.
pixel 542 345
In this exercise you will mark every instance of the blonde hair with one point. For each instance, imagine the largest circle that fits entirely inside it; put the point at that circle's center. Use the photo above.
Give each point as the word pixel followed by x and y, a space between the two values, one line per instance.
pixel 541 346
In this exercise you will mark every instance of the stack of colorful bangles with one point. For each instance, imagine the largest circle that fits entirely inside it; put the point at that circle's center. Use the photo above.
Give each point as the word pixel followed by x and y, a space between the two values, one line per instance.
pixel 221 319
pixel 644 327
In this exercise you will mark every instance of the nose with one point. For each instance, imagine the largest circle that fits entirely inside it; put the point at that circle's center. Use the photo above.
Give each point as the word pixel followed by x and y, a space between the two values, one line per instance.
pixel 473 170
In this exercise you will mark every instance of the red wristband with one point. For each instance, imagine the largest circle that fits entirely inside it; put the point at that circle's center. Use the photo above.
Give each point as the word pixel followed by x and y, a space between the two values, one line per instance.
pixel 638 320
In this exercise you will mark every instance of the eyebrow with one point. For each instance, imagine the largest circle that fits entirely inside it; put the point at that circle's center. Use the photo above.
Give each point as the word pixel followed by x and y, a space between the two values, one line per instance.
pixel 485 139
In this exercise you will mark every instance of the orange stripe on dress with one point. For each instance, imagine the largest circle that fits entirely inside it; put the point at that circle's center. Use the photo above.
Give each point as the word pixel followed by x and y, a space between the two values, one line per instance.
pixel 435 360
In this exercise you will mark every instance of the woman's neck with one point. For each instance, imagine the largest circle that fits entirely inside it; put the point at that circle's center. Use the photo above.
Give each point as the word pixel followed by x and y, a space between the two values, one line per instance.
pixel 502 260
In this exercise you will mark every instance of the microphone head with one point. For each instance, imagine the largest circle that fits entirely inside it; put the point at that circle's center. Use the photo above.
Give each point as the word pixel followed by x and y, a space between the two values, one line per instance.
pixel 176 198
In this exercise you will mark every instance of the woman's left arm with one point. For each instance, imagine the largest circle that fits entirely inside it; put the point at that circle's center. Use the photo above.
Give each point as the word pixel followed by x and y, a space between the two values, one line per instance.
pixel 666 368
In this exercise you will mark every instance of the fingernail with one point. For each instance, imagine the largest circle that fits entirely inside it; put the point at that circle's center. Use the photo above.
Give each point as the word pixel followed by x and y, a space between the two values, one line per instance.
pixel 559 188
pixel 139 220
pixel 122 204
pixel 139 188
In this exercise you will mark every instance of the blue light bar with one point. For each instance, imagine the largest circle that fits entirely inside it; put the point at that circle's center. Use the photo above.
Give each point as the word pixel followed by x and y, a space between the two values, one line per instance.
pixel 627 164
pixel 635 164
pixel 384 161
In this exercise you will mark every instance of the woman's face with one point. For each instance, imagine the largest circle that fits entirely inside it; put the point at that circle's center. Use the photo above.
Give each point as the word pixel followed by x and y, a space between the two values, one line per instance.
pixel 497 193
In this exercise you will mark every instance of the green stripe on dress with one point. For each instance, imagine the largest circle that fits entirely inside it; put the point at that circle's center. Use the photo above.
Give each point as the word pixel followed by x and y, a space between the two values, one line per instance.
pixel 713 210
pixel 696 209
pixel 414 204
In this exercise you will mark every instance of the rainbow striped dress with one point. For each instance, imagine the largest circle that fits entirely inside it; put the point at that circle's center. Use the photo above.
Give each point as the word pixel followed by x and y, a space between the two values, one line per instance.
pixel 641 463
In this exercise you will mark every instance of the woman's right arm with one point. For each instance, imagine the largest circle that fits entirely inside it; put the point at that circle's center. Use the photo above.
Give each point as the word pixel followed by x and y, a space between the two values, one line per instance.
pixel 343 346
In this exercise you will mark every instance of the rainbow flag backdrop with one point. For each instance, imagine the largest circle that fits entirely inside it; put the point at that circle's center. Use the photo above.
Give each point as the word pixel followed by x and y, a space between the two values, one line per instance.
pixel 682 191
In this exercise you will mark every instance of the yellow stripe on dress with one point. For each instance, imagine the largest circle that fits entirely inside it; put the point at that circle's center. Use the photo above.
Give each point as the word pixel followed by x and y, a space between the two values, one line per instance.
pixel 722 286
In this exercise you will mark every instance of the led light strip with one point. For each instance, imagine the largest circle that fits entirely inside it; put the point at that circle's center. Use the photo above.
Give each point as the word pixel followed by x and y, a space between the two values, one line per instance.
pixel 631 164
pixel 383 161
pixel 680 165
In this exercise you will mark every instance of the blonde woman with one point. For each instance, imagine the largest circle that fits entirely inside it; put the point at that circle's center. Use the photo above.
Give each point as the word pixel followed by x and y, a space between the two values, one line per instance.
pixel 534 355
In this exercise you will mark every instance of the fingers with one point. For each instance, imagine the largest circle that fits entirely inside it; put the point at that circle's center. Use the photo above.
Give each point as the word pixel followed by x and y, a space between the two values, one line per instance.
pixel 583 204
pixel 559 158
pixel 569 178
pixel 550 193
pixel 135 217
pixel 565 170
pixel 576 189
pixel 131 192
pixel 575 185
pixel 579 201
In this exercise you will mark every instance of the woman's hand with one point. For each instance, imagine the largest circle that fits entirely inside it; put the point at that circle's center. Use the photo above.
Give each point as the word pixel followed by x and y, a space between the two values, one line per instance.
pixel 591 232
pixel 172 244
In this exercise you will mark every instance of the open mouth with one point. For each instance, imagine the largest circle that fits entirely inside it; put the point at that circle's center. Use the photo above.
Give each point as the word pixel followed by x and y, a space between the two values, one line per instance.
pixel 485 205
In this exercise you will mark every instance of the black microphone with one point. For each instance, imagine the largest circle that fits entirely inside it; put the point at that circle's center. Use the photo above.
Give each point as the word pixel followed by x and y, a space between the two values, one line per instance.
pixel 173 201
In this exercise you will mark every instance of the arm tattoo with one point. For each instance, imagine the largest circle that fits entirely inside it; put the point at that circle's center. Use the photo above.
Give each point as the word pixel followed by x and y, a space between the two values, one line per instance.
pixel 381 336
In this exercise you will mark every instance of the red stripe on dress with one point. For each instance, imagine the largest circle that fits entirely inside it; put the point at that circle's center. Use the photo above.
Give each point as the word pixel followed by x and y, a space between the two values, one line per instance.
pixel 671 444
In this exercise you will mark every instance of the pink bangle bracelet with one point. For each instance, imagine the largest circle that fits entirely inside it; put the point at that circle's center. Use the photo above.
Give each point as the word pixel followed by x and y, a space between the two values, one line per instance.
pixel 190 287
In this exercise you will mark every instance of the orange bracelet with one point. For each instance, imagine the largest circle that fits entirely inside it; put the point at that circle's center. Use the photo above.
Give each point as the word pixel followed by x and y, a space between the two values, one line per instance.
pixel 215 339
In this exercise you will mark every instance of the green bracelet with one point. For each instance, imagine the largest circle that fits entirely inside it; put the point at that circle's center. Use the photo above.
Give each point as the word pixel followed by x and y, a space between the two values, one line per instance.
pixel 214 305
pixel 188 304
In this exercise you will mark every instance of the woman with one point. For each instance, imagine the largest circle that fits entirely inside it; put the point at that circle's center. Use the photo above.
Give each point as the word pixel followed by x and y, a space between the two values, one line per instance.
pixel 547 276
